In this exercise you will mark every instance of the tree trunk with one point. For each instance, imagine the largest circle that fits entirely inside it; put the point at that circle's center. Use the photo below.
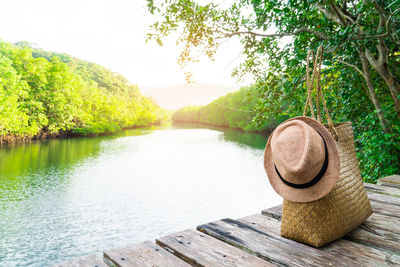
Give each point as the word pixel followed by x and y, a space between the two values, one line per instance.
pixel 381 63
pixel 372 94
pixel 381 66
pixel 393 85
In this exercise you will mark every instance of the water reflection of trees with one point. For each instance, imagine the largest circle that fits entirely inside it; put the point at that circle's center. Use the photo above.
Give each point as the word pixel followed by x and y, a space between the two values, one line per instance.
pixel 41 164
pixel 25 168
pixel 254 140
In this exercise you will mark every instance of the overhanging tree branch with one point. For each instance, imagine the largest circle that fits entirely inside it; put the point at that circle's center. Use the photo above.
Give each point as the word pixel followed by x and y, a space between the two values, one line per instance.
pixel 339 15
pixel 328 13
pixel 353 66
pixel 370 36
pixel 317 33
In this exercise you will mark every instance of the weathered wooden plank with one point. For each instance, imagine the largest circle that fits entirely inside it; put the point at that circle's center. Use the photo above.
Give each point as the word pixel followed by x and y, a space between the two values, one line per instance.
pixel 391 191
pixel 363 254
pixel 379 221
pixel 385 208
pixel 267 246
pixel 384 198
pixel 376 238
pixel 87 261
pixel 199 249
pixel 142 254
pixel 378 231
pixel 345 249
pixel 390 181
pixel 267 224
pixel 274 212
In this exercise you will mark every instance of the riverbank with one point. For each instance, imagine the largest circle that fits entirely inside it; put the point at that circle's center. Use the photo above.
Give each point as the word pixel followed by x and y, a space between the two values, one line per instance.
pixel 265 131
pixel 234 110
pixel 14 139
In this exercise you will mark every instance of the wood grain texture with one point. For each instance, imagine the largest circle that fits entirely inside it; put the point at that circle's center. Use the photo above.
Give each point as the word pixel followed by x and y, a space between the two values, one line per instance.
pixel 390 181
pixel 87 261
pixel 376 238
pixel 200 249
pixel 269 246
pixel 379 221
pixel 142 254
pixel 382 190
pixel 386 208
pixel 361 254
pixel 390 185
pixel 384 198
pixel 378 231
pixel 274 212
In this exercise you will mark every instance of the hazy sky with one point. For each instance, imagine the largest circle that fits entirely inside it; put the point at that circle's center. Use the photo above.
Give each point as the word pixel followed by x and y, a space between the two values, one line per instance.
pixel 112 34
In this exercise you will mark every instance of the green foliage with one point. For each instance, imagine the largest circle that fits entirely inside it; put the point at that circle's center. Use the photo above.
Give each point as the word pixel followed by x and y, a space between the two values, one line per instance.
pixel 186 114
pixel 378 152
pixel 349 32
pixel 45 93
pixel 234 110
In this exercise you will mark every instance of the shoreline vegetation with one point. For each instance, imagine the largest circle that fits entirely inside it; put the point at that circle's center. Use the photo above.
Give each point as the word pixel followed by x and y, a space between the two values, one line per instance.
pixel 13 139
pixel 234 111
pixel 51 95
pixel 266 131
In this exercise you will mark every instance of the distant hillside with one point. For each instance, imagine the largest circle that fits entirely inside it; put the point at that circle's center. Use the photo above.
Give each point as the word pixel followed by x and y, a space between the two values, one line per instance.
pixel 174 97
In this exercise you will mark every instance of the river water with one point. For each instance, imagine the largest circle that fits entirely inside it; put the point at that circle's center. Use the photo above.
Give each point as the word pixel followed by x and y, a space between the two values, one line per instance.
pixel 61 199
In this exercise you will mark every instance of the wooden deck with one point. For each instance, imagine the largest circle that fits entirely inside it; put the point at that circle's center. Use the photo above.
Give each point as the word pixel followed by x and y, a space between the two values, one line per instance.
pixel 255 241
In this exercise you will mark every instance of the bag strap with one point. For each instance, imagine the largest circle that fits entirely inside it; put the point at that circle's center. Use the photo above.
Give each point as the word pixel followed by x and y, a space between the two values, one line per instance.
pixel 310 83
pixel 316 76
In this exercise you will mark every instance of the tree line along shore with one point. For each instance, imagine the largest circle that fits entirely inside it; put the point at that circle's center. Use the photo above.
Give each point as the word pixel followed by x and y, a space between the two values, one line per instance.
pixel 45 94
pixel 234 110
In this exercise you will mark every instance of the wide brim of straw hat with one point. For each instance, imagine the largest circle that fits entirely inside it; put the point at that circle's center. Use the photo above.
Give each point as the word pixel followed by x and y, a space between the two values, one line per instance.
pixel 323 186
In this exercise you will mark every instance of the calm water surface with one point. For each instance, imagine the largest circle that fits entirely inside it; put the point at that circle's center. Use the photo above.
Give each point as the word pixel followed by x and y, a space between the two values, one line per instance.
pixel 62 199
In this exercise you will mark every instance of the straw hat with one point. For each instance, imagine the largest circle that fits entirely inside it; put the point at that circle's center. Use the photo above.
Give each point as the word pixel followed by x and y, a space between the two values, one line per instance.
pixel 301 160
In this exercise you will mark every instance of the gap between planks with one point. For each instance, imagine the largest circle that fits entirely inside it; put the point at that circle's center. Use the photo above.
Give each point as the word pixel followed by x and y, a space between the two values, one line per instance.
pixel 378 231
pixel 146 254
pixel 200 249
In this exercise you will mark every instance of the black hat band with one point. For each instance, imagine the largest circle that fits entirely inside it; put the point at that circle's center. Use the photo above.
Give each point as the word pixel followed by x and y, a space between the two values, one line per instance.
pixel 315 179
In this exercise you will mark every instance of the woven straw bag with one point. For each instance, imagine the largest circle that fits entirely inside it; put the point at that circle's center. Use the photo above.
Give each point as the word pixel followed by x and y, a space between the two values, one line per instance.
pixel 347 205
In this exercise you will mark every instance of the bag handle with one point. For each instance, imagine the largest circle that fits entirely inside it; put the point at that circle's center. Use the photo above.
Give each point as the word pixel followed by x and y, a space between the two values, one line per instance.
pixel 316 76
pixel 310 83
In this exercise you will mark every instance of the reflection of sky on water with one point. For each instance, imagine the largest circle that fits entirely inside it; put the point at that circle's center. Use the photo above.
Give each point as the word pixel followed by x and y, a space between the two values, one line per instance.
pixel 65 198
